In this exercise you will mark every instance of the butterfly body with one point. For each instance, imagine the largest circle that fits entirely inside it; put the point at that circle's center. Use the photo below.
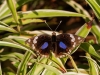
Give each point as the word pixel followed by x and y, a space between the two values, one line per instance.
pixel 58 44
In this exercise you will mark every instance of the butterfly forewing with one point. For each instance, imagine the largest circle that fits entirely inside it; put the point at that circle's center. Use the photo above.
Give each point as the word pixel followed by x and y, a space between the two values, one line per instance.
pixel 67 42
pixel 42 44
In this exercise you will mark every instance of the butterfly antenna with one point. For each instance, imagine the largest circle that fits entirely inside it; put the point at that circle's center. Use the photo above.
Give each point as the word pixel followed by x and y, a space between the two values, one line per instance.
pixel 48 25
pixel 58 25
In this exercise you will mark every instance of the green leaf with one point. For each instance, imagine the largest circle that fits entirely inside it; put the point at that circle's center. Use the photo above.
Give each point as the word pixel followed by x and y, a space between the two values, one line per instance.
pixel 74 73
pixel 98 1
pixel 2 11
pixel 22 68
pixel 96 31
pixel 0 69
pixel 58 62
pixel 89 49
pixel 41 14
pixel 51 68
pixel 4 24
pixel 10 73
pixel 83 31
pixel 94 5
pixel 3 43
pixel 73 63
pixel 28 21
pixel 11 5
pixel 93 66
pixel 19 39
pixel 4 28
pixel 5 12
pixel 79 9
pixel 38 68
pixel 47 72
pixel 15 55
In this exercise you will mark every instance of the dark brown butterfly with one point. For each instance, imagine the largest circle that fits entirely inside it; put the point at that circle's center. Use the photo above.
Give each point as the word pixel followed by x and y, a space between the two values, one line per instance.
pixel 58 44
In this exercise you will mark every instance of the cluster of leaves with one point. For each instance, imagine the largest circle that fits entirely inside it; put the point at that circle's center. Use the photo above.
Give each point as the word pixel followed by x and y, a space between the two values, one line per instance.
pixel 13 26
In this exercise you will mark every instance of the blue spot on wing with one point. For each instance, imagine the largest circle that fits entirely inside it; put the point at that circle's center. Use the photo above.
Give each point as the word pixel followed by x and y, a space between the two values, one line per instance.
pixel 62 45
pixel 45 45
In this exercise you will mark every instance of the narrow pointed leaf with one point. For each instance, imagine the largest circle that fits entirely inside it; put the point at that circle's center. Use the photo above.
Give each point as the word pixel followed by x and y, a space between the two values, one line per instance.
pixel 0 69
pixel 94 5
pixel 96 31
pixel 4 28
pixel 83 31
pixel 11 5
pixel 3 43
pixel 38 68
pixel 22 68
pixel 41 14
pixel 89 49
pixel 51 68
pixel 93 66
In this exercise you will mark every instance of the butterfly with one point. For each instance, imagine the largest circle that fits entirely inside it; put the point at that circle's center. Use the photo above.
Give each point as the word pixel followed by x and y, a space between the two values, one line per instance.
pixel 59 44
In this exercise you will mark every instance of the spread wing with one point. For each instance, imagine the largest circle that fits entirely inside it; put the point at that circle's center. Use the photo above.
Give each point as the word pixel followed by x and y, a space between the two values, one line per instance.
pixel 41 44
pixel 67 42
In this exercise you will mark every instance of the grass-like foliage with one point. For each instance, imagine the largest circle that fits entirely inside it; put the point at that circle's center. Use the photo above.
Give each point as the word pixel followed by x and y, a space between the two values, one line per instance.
pixel 17 57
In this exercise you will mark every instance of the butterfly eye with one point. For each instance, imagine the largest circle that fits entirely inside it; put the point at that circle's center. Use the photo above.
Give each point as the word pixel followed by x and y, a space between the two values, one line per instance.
pixel 45 45
pixel 62 45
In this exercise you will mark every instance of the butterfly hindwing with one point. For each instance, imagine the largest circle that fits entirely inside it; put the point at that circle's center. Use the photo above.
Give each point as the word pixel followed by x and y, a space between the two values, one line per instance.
pixel 66 42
